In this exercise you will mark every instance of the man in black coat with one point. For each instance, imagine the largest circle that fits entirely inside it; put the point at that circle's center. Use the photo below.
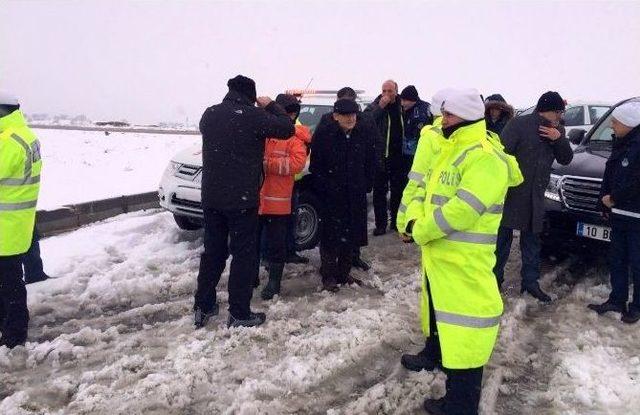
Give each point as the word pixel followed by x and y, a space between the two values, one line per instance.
pixel 621 201
pixel 368 127
pixel 416 114
pixel 497 113
pixel 233 140
pixel 536 140
pixel 342 165
pixel 391 176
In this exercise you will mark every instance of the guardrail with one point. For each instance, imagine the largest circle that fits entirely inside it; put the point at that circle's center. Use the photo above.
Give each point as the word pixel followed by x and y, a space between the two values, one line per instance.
pixel 146 130
pixel 71 217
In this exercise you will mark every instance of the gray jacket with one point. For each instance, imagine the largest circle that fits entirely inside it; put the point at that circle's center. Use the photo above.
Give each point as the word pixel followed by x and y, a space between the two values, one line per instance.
pixel 524 205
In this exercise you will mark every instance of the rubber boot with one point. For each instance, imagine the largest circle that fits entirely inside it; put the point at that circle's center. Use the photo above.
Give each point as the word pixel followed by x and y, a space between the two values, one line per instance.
pixel 273 286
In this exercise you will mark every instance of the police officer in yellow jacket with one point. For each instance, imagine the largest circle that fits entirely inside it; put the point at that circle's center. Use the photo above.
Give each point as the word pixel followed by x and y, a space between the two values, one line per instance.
pixel 428 148
pixel 456 230
pixel 20 166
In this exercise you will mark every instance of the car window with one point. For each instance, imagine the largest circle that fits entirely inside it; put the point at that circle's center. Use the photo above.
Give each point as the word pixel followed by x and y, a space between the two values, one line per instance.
pixel 595 112
pixel 310 114
pixel 604 132
pixel 574 116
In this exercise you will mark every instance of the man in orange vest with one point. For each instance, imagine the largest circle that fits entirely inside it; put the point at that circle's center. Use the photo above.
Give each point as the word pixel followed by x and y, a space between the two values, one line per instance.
pixel 283 159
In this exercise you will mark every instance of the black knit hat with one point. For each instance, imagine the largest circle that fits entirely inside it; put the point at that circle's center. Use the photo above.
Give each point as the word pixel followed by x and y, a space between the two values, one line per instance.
pixel 410 93
pixel 243 85
pixel 495 98
pixel 346 106
pixel 550 101
pixel 347 92
pixel 289 103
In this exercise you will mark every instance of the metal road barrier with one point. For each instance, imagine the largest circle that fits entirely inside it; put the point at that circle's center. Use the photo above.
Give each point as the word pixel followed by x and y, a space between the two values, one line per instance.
pixel 71 217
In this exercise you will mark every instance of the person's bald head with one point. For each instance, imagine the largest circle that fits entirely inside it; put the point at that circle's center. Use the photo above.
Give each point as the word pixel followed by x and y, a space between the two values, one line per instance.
pixel 390 89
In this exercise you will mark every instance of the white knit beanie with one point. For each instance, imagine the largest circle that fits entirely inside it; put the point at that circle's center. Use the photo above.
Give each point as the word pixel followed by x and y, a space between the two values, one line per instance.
pixel 465 103
pixel 8 99
pixel 438 99
pixel 628 114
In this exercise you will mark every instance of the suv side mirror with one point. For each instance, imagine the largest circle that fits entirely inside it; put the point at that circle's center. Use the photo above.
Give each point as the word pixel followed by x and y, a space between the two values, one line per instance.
pixel 576 136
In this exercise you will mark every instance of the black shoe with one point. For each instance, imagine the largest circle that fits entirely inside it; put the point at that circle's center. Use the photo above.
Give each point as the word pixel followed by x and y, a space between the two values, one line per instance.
pixel 358 262
pixel 435 406
pixel 348 280
pixel 607 306
pixel 201 318
pixel 427 359
pixel 379 231
pixel 273 286
pixel 536 292
pixel 330 284
pixel 296 259
pixel 11 343
pixel 42 277
pixel 254 320
pixel 631 316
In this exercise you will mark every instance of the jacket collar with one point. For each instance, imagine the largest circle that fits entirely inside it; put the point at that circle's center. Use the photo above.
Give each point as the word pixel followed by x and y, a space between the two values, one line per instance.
pixel 234 96
pixel 11 120
pixel 469 134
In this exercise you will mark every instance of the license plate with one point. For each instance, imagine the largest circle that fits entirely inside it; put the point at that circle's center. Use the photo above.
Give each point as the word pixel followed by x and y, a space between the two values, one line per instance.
pixel 587 230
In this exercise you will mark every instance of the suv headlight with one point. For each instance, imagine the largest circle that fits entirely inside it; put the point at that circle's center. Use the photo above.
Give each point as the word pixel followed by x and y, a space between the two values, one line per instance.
pixel 553 188
pixel 172 168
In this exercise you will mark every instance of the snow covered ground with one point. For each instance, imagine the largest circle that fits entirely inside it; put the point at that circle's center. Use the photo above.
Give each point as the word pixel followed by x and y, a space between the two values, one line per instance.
pixel 113 334
pixel 80 166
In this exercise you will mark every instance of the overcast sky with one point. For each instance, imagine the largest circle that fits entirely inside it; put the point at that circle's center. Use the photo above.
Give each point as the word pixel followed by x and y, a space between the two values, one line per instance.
pixel 150 61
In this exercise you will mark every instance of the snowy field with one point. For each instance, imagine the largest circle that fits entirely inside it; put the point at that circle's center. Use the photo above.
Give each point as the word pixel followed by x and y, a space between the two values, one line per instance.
pixel 80 166
pixel 113 334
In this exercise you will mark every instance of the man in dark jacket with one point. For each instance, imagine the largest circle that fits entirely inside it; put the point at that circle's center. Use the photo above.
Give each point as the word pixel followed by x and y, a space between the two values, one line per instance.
pixel 621 202
pixel 233 140
pixel 536 140
pixel 368 127
pixel 416 114
pixel 497 113
pixel 390 176
pixel 342 165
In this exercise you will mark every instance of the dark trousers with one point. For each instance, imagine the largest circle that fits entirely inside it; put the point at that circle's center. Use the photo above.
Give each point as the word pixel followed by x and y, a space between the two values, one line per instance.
pixel 529 251
pixel 274 228
pixel 31 260
pixel 394 179
pixel 624 256
pixel 291 223
pixel 229 232
pixel 14 315
pixel 335 262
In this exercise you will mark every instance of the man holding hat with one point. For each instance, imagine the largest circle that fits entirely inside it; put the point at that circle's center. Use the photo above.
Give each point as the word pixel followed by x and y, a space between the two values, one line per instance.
pixel 460 305
pixel 233 140
pixel 621 201
pixel 536 140
pixel 342 165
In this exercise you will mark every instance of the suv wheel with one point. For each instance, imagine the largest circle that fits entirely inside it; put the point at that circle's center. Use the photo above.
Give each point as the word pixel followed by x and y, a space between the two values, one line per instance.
pixel 307 221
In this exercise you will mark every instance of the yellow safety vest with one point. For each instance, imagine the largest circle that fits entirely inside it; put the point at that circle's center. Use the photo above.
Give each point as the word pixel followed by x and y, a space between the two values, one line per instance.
pixel 457 231
pixel 20 165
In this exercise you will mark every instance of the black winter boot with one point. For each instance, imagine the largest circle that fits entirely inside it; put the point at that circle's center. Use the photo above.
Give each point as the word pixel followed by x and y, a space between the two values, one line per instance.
pixel 428 358
pixel 273 286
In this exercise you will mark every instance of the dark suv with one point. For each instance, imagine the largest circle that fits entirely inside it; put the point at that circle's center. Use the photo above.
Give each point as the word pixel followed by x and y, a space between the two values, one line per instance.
pixel 573 219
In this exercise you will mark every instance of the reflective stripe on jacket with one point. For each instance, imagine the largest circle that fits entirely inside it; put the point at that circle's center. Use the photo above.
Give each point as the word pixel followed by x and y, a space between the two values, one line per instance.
pixel 283 159
pixel 457 231
pixel 20 166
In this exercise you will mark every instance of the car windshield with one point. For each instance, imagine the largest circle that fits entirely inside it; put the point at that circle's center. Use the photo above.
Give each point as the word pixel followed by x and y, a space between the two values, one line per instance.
pixel 310 114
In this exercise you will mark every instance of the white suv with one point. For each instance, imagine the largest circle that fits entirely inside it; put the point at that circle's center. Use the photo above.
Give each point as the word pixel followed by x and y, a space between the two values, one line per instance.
pixel 179 189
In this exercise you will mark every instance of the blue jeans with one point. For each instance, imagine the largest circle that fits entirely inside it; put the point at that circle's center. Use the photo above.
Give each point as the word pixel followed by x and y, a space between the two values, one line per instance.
pixel 529 251
pixel 624 256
